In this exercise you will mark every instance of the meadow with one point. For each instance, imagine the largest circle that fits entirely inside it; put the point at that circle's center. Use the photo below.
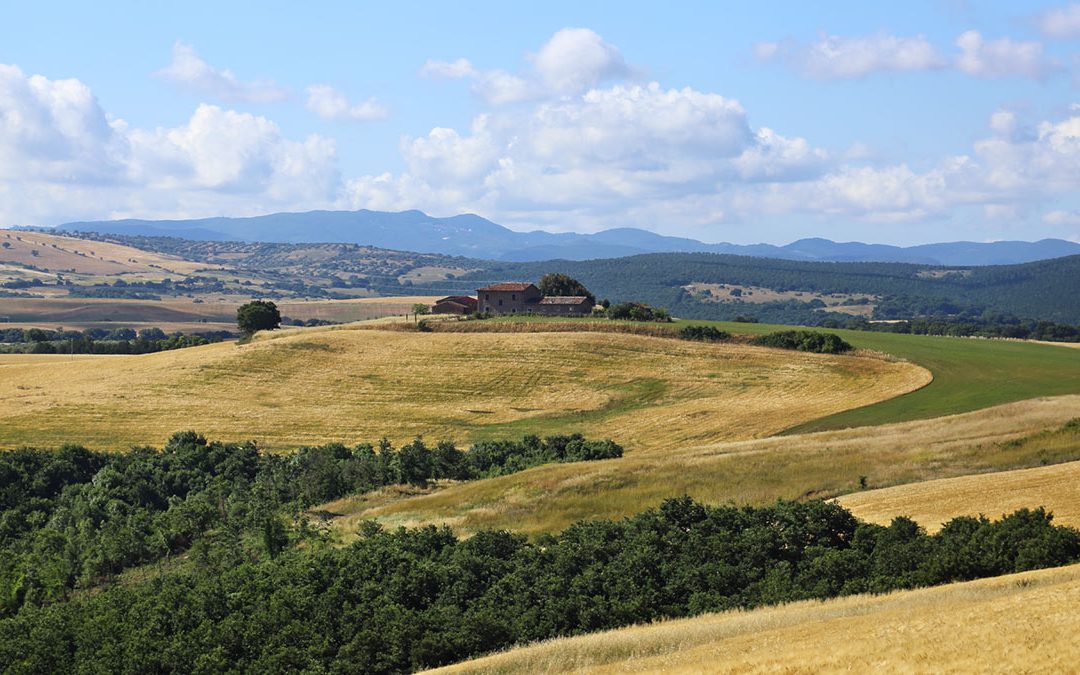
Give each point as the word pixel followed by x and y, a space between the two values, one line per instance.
pixel 954 628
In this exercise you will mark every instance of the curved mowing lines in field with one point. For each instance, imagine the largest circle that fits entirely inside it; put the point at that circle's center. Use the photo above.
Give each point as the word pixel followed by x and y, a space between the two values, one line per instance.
pixel 317 386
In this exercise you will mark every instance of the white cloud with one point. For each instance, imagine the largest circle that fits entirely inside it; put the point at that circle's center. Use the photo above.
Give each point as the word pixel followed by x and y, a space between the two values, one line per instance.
pixel 63 158
pixel 1060 22
pixel 449 70
pixel 190 71
pixel 1002 57
pixel 572 61
pixel 330 104
pixel 577 59
pixel 631 150
pixel 499 87
pixel 55 130
pixel 836 57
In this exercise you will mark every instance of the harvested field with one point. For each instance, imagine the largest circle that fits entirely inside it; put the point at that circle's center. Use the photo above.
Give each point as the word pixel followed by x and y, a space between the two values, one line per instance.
pixel 320 385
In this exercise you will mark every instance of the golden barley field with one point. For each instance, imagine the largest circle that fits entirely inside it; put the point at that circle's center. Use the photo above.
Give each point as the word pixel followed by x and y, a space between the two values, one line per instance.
pixel 338 384
pixel 934 502
pixel 1023 623
pixel 757 471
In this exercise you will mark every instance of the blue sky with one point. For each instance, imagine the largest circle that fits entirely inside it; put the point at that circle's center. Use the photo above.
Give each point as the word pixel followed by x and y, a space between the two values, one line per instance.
pixel 740 122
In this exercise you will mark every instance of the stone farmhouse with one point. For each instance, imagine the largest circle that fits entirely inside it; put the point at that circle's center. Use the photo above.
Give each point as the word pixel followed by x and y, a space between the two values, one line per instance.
pixel 516 297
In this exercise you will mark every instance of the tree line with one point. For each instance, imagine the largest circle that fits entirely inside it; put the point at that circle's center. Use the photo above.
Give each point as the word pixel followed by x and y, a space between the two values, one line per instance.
pixel 102 341
pixel 406 599
pixel 73 518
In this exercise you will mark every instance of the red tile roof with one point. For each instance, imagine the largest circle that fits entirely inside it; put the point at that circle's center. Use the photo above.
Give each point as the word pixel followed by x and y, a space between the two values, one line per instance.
pixel 563 300
pixel 460 299
pixel 507 286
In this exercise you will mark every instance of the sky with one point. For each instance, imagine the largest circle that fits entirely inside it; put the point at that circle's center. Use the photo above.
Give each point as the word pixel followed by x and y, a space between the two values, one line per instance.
pixel 899 123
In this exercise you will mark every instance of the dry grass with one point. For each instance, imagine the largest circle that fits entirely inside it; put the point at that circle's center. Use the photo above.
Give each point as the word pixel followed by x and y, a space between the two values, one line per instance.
pixel 320 385
pixel 360 309
pixel 61 254
pixel 825 464
pixel 1017 623
pixel 932 503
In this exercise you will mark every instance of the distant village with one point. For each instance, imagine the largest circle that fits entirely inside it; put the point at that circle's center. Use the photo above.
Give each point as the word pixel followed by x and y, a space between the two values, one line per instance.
pixel 514 297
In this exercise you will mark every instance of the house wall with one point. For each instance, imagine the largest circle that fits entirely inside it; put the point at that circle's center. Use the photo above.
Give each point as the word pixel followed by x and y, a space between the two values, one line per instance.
pixel 508 302
pixel 564 310
pixel 449 308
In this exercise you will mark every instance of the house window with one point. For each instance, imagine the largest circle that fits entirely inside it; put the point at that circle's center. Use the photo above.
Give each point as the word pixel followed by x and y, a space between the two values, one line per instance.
pixel 487 296
pixel 513 296
pixel 500 303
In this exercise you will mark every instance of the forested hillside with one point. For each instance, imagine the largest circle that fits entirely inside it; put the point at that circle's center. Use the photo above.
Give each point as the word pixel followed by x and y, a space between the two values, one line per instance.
pixel 1041 290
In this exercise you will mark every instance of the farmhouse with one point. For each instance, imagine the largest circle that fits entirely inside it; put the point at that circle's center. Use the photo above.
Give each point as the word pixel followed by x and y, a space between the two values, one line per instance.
pixel 517 297
pixel 454 304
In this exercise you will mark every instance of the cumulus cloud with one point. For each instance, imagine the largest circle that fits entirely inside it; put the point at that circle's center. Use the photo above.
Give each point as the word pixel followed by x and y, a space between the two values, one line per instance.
pixel 191 72
pixel 62 157
pixel 836 57
pixel 1002 57
pixel 572 61
pixel 576 59
pixel 631 150
pixel 1060 22
pixel 330 104
pixel 56 130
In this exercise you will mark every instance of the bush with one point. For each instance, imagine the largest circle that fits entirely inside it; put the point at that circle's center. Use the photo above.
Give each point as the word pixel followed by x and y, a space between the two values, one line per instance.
pixel 704 334
pixel 637 311
pixel 804 341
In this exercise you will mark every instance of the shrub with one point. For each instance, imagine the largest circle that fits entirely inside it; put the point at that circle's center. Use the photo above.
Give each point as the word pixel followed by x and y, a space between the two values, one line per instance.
pixel 703 334
pixel 805 341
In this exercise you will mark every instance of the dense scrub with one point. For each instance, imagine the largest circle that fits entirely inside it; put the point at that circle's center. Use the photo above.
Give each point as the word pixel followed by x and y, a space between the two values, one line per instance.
pixel 73 518
pixel 402 600
pixel 804 341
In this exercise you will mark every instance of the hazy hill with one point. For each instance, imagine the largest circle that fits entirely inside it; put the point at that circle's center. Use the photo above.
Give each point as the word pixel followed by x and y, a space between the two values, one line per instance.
pixel 472 236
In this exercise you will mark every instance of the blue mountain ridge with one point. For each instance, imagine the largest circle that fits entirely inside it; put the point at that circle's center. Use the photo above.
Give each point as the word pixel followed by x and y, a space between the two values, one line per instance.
pixel 476 237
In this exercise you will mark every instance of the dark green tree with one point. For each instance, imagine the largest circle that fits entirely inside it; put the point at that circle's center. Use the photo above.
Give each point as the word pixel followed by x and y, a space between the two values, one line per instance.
pixel 258 315
pixel 562 284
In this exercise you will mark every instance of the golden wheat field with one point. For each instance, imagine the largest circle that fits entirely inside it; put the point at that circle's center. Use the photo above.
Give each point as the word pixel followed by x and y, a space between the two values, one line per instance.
pixel 1025 623
pixel 759 471
pixel 317 386
pixel 931 503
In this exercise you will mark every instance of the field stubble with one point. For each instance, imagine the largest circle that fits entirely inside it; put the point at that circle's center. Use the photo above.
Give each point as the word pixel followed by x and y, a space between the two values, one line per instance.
pixel 322 385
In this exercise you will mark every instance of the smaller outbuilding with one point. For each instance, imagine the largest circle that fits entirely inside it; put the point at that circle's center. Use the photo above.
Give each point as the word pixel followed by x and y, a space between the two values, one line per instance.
pixel 454 304
pixel 565 305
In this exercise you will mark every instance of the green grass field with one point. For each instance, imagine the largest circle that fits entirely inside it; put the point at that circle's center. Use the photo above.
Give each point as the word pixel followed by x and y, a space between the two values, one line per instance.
pixel 969 374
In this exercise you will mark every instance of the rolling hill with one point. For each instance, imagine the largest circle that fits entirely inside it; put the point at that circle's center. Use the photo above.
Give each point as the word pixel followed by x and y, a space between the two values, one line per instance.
pixel 322 385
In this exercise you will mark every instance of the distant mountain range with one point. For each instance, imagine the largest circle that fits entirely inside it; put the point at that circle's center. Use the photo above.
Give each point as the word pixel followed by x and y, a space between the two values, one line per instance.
pixel 475 237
